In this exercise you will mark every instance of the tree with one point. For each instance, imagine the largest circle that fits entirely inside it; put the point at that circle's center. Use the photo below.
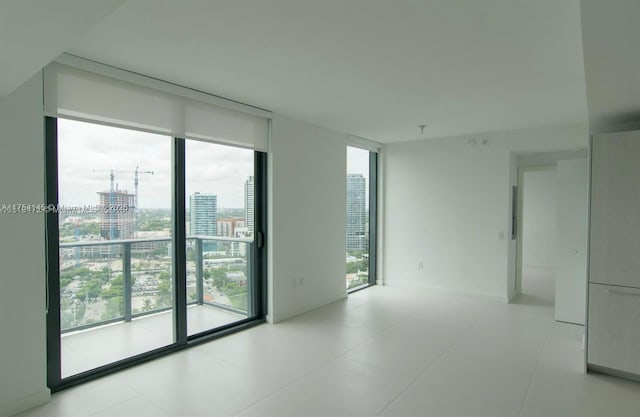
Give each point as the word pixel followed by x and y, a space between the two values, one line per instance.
pixel 364 265
pixel 237 295
pixel 75 273
pixel 114 308
pixel 154 224
pixel 147 306
pixel 352 267
pixel 219 277
pixel 89 229
pixel 89 290
pixel 164 289
pixel 116 289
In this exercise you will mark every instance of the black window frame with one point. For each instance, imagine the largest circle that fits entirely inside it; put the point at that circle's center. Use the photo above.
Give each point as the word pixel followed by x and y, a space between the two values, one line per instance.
pixel 258 295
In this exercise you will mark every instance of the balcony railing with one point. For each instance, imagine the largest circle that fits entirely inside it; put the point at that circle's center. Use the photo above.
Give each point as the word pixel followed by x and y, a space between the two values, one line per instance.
pixel 88 268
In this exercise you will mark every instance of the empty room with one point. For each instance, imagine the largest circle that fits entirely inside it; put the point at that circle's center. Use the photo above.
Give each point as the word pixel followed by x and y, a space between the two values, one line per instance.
pixel 319 208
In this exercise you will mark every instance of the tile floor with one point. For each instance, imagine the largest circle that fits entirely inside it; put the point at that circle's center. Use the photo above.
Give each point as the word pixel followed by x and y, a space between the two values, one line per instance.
pixel 384 351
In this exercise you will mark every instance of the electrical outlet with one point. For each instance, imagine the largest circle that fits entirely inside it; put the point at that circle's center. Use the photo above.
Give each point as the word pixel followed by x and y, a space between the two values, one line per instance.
pixel 297 282
pixel 420 265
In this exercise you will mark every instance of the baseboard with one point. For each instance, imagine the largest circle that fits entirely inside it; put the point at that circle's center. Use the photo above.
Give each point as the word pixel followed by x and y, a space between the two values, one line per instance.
pixel 25 403
pixel 449 291
pixel 462 293
pixel 575 323
pixel 293 313
pixel 534 266
pixel 613 372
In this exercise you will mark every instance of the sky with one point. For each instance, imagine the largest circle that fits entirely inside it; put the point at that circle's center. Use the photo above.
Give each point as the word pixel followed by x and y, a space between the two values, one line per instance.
pixel 88 152
pixel 358 163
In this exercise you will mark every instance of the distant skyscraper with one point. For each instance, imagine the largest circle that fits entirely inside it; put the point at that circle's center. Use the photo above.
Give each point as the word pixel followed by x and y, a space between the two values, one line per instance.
pixel 249 203
pixel 117 215
pixel 225 228
pixel 203 209
pixel 356 213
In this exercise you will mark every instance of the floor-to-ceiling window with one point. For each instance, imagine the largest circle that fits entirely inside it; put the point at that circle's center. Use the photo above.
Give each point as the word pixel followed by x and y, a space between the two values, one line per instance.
pixel 220 233
pixel 155 240
pixel 114 235
pixel 361 217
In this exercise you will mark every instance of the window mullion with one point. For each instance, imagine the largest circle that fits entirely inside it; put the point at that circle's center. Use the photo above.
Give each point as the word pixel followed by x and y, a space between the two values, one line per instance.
pixel 179 243
pixel 373 216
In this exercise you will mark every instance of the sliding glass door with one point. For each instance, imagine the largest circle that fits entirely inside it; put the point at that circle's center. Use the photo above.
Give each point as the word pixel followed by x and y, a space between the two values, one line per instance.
pixel 220 225
pixel 114 234
pixel 154 243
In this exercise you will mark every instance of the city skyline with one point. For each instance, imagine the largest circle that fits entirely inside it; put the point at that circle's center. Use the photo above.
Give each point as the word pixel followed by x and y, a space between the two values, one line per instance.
pixel 249 203
pixel 358 163
pixel 356 213
pixel 203 214
pixel 88 152
pixel 117 224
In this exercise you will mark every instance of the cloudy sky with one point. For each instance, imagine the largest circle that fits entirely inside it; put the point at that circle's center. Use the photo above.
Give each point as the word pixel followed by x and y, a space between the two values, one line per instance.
pixel 87 153
pixel 358 163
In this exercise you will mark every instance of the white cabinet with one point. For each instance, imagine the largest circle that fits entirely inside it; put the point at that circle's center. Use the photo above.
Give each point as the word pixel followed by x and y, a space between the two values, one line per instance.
pixel 614 327
pixel 613 322
pixel 615 210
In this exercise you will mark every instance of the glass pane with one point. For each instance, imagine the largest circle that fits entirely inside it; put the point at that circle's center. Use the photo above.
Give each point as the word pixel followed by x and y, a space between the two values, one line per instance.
pixel 84 271
pixel 115 262
pixel 152 281
pixel 220 224
pixel 357 217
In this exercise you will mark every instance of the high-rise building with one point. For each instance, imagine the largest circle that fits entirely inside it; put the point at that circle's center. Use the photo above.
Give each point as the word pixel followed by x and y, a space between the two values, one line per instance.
pixel 117 214
pixel 203 216
pixel 356 213
pixel 249 203
pixel 240 248
pixel 225 228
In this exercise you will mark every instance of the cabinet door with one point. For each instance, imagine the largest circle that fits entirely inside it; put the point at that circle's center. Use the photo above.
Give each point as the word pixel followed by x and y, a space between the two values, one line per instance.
pixel 615 210
pixel 614 327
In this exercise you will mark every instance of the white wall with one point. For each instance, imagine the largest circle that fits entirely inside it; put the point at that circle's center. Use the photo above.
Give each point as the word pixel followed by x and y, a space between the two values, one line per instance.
pixel 307 213
pixel 447 205
pixel 22 252
pixel 539 216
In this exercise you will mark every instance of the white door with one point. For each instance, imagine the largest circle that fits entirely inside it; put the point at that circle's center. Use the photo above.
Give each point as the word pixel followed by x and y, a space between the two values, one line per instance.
pixel 571 262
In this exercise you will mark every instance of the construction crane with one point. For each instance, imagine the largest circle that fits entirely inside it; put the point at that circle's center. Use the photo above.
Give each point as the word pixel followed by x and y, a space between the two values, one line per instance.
pixel 112 177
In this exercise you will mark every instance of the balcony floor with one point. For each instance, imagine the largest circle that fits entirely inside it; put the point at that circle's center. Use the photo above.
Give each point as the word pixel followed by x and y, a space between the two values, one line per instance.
pixel 89 349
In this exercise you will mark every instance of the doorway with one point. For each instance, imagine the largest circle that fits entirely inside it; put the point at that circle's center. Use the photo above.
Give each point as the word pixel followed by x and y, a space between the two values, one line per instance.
pixel 536 264
pixel 551 224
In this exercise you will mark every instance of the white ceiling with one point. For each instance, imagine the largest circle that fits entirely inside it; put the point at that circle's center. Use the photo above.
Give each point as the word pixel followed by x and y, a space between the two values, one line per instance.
pixel 373 68
pixel 611 35
pixel 34 32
